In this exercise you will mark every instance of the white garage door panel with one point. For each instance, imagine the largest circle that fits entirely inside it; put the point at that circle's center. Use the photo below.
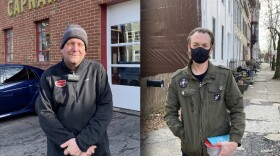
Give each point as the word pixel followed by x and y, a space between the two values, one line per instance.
pixel 124 54
pixel 127 12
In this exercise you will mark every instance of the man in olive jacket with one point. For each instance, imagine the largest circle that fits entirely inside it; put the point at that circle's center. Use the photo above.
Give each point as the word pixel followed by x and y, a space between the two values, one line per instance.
pixel 208 96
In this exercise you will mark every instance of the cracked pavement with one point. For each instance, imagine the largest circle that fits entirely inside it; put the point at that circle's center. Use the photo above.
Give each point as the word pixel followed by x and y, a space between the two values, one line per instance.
pixel 22 136
pixel 262 132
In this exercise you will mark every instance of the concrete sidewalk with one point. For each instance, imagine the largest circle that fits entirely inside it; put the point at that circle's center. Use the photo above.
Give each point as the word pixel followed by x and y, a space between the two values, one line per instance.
pixel 262 116
pixel 262 133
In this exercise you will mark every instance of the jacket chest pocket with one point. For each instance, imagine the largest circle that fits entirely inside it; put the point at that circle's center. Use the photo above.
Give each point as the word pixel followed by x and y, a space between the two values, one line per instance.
pixel 186 96
pixel 188 92
pixel 215 94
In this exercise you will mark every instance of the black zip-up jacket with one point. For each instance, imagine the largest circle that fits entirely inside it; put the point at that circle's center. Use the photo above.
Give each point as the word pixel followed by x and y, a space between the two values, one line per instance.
pixel 80 109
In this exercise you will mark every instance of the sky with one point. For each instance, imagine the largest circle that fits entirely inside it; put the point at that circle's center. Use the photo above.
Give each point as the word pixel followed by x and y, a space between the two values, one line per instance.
pixel 263 31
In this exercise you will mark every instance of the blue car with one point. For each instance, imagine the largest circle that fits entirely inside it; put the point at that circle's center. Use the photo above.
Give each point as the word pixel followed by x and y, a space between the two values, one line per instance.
pixel 19 89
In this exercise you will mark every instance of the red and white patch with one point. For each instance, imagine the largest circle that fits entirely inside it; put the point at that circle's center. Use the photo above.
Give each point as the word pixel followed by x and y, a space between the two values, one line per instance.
pixel 60 83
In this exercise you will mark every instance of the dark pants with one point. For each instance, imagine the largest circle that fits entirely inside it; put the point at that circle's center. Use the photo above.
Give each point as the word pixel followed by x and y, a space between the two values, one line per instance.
pixel 183 154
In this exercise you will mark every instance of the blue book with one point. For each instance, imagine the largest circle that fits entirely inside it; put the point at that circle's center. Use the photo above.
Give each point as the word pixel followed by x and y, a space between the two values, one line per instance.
pixel 222 138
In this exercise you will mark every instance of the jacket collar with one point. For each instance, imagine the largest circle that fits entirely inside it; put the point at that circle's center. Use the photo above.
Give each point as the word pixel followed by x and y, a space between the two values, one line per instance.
pixel 66 69
pixel 211 73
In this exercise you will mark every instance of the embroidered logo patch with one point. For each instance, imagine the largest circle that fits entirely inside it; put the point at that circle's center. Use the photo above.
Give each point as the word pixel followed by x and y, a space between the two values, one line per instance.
pixel 60 83
pixel 183 82
pixel 217 97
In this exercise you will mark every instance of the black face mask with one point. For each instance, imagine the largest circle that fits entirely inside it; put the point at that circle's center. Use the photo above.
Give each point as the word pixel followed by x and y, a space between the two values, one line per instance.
pixel 200 55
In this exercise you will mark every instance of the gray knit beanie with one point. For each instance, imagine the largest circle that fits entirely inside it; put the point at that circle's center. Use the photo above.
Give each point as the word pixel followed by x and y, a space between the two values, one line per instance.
pixel 74 31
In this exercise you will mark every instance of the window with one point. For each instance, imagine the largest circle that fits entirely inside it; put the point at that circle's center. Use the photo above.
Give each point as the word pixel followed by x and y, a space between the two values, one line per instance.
pixel 1 76
pixel 43 40
pixel 125 54
pixel 31 74
pixel 125 33
pixel 229 7
pixel 229 50
pixel 239 17
pixel 244 28
pixel 16 74
pixel 13 75
pixel 222 48
pixel 126 76
pixel 214 33
pixel 9 48
pixel 253 28
pixel 235 12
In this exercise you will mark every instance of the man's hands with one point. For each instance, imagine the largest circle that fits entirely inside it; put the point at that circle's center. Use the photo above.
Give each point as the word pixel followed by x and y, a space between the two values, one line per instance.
pixel 227 148
pixel 89 151
pixel 71 148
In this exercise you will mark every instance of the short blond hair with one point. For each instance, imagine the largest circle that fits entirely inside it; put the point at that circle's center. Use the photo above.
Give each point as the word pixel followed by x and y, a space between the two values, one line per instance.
pixel 201 30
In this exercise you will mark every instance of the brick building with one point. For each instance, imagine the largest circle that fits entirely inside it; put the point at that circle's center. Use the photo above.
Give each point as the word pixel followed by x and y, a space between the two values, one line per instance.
pixel 31 32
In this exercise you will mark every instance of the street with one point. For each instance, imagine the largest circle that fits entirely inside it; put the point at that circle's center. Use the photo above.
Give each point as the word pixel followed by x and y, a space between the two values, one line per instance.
pixel 22 136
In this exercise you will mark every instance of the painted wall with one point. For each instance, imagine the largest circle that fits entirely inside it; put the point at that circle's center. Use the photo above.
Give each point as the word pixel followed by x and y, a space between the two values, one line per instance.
pixel 222 12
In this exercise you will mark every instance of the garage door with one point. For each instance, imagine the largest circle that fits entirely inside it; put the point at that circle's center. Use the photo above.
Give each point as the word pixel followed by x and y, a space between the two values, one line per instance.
pixel 123 53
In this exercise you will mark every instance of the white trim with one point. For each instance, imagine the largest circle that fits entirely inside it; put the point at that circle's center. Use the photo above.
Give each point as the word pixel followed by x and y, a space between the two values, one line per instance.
pixel 125 65
pixel 124 44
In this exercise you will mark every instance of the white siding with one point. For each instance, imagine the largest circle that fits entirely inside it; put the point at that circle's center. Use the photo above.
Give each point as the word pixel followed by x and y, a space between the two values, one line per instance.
pixel 223 13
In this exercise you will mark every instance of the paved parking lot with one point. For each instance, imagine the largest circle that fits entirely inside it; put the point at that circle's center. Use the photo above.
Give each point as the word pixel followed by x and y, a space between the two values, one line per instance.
pixel 22 136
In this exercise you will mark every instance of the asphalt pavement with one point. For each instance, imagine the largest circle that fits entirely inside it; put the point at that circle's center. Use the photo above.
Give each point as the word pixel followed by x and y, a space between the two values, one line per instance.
pixel 22 136
pixel 262 132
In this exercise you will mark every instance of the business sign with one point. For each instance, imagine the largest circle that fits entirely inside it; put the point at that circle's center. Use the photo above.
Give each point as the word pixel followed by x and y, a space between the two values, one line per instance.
pixel 17 6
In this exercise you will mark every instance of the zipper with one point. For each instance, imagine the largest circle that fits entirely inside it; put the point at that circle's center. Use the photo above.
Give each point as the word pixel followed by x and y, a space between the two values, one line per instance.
pixel 201 118
pixel 200 131
pixel 76 91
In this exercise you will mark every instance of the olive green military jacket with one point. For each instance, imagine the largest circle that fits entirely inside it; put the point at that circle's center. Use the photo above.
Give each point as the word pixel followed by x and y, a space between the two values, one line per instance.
pixel 211 108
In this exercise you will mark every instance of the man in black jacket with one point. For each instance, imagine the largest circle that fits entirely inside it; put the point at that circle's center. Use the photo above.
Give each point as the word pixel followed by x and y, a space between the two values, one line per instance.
pixel 75 106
